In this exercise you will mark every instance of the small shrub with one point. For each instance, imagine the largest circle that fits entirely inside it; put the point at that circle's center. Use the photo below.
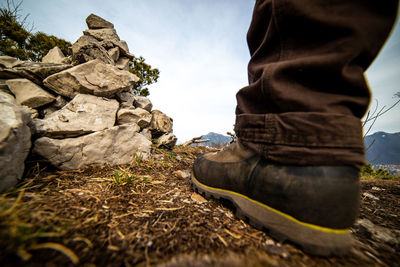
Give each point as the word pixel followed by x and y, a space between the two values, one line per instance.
pixel 138 158
pixel 367 169
pixel 383 174
pixel 369 173
pixel 124 176
pixel 117 177
pixel 171 155
pixel 146 180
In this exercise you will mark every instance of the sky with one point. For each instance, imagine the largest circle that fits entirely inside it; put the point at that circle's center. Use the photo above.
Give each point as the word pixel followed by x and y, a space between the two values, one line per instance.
pixel 200 48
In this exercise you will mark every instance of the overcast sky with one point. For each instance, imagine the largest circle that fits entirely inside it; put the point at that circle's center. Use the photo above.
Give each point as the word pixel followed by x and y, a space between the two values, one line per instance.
pixel 200 48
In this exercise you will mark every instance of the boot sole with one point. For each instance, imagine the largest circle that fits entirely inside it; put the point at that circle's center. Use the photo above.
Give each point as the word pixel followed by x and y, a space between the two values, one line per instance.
pixel 313 239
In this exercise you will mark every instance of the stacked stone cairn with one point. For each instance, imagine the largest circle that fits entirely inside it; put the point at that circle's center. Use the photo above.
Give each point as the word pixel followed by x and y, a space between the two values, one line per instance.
pixel 79 110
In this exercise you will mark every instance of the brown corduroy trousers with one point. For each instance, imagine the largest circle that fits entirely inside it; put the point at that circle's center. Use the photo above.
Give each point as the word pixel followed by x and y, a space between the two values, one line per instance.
pixel 307 91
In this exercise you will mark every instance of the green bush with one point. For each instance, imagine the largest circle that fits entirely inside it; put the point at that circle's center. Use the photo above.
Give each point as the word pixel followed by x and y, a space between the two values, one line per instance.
pixel 17 41
pixel 368 172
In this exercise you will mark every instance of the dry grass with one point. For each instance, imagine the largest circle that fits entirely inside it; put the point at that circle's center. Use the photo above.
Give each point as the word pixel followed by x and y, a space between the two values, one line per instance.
pixel 144 213
pixel 141 212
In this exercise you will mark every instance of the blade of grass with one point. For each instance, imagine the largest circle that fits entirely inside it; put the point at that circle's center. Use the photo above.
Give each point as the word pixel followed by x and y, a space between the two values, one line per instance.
pixel 61 248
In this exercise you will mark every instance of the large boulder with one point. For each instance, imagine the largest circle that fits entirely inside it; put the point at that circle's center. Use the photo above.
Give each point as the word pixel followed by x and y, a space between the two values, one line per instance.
pixel 114 146
pixel 166 141
pixel 134 115
pixel 108 34
pixel 93 77
pixel 87 48
pixel 9 62
pixel 114 54
pixel 33 71
pixel 3 86
pixel 28 93
pixel 126 98
pixel 143 102
pixel 146 133
pixel 95 22
pixel 31 112
pixel 57 104
pixel 15 141
pixel 55 55
pixel 122 45
pixel 160 123
pixel 122 63
pixel 84 114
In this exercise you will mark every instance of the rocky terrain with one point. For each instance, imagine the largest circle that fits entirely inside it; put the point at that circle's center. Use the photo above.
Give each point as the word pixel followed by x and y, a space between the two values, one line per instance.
pixel 76 111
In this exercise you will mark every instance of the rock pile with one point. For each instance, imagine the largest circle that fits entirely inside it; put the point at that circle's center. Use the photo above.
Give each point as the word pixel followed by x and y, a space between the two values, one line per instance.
pixel 15 140
pixel 80 109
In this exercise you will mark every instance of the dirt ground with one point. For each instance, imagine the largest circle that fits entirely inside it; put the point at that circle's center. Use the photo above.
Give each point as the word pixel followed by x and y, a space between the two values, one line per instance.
pixel 146 214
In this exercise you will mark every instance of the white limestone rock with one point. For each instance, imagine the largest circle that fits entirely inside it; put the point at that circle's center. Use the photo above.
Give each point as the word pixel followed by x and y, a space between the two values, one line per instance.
pixel 60 102
pixel 114 54
pixel 143 102
pixel 123 63
pixel 33 71
pixel 379 233
pixel 3 86
pixel 123 46
pixel 31 112
pixel 166 141
pixel 95 22
pixel 29 94
pixel 160 123
pixel 103 34
pixel 146 133
pixel 9 62
pixel 93 77
pixel 15 141
pixel 126 98
pixel 134 115
pixel 55 55
pixel 114 146
pixel 84 114
pixel 87 48
pixel 57 104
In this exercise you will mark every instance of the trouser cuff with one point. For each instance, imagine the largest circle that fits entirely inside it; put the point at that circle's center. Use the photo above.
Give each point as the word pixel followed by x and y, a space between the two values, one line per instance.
pixel 303 138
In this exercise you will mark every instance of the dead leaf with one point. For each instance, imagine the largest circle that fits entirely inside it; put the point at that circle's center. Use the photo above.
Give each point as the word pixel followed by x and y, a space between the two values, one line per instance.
pixel 198 198
pixel 182 174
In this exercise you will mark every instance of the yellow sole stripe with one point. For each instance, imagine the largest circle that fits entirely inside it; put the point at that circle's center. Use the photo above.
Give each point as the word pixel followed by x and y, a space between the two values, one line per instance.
pixel 316 227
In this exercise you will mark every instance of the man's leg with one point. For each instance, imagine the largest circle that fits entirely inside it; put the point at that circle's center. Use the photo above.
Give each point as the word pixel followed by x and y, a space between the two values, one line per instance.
pixel 294 170
pixel 307 90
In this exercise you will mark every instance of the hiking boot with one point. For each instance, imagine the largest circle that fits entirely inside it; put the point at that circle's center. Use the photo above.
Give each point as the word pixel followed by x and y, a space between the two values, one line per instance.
pixel 312 206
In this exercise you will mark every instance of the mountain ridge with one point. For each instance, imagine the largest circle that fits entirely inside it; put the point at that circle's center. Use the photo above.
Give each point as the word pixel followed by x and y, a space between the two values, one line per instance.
pixel 215 140
pixel 382 148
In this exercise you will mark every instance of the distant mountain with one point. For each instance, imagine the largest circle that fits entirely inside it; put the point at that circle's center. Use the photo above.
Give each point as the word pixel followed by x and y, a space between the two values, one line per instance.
pixel 385 149
pixel 216 140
